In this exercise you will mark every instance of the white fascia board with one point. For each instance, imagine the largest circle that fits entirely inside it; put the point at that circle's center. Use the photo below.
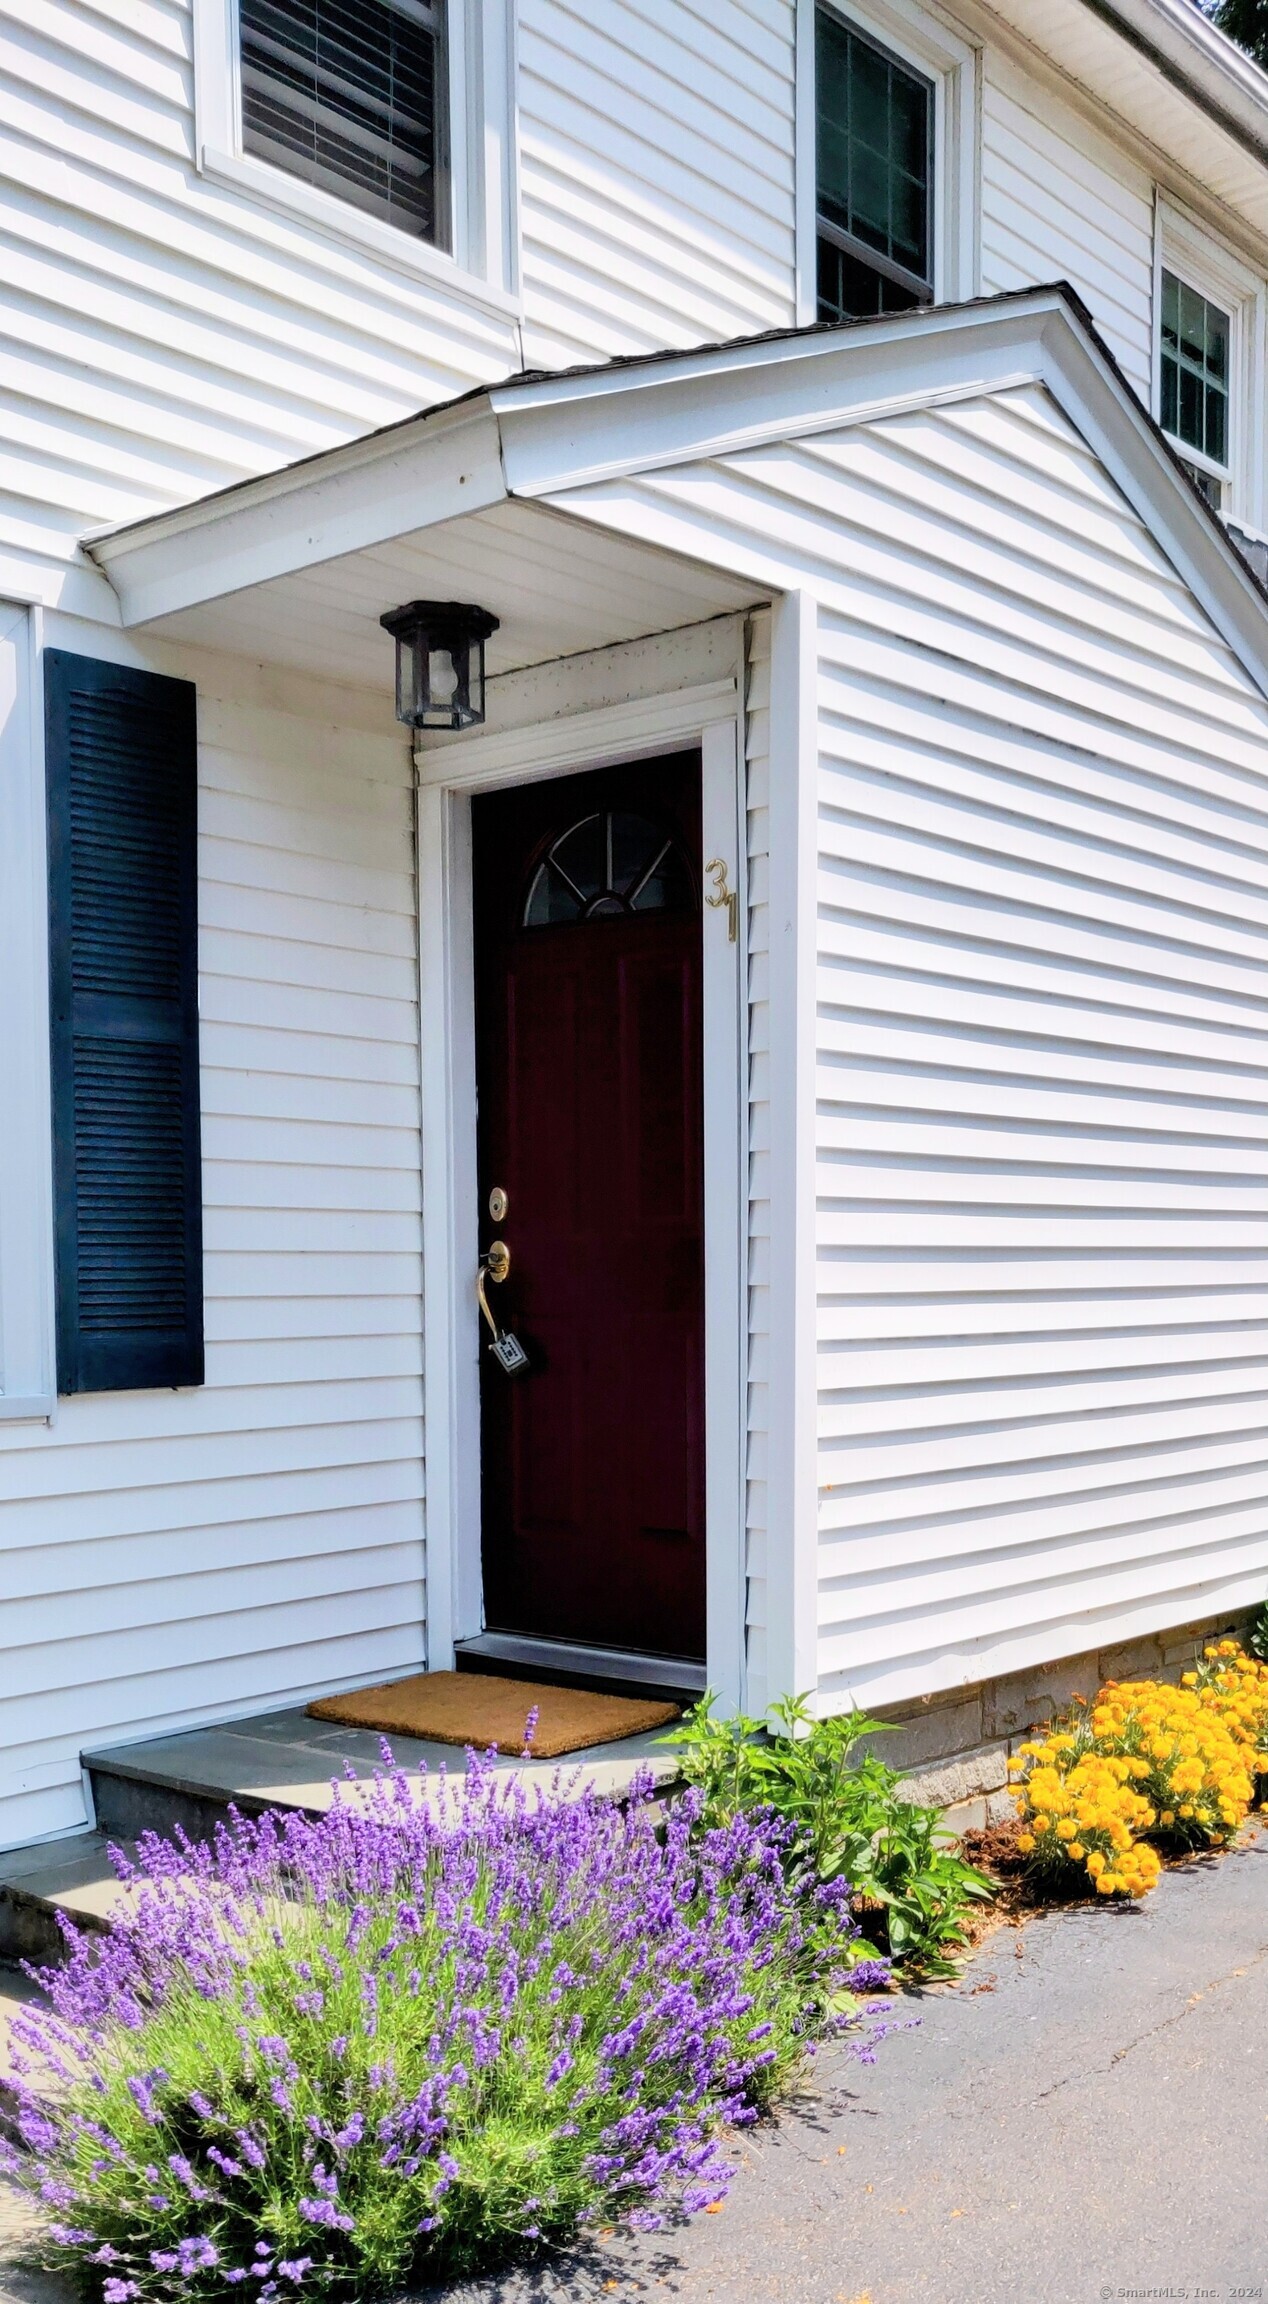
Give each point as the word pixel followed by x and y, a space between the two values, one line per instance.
pixel 1092 395
pixel 571 431
pixel 435 467
pixel 549 437
pixel 1190 52
pixel 568 433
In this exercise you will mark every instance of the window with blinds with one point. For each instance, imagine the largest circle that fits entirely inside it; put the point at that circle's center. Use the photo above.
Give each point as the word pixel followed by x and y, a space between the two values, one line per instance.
pixel 350 96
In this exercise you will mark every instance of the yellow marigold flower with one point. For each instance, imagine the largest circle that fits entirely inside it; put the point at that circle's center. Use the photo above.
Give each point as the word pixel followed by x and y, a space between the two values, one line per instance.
pixel 1065 1829
pixel 1187 1810
pixel 1188 1679
pixel 1076 1849
pixel 1096 1863
pixel 1025 1841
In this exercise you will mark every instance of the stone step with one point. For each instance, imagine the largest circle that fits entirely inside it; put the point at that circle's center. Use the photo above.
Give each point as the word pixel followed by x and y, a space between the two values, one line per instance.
pixel 276 1760
pixel 287 1760
pixel 74 1876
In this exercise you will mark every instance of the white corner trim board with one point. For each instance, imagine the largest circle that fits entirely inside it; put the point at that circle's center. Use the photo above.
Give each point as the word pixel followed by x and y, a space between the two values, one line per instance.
pixel 792 1525
pixel 27 1385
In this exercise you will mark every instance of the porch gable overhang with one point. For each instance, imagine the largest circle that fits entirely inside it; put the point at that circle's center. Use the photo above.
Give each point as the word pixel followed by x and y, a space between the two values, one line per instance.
pixel 538 441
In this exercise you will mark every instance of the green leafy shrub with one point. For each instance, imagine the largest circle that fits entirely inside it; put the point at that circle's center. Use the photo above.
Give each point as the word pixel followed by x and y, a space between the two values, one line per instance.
pixel 1258 1640
pixel 1246 22
pixel 850 1820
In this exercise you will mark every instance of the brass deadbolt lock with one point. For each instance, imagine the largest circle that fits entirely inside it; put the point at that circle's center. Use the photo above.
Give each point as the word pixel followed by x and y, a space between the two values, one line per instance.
pixel 498 1204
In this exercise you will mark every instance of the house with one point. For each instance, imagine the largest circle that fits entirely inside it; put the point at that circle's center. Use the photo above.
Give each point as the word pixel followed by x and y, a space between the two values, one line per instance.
pixel 816 1006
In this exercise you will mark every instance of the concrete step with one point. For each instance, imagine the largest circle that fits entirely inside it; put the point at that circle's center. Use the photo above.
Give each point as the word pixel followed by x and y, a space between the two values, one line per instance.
pixel 74 1876
pixel 286 1760
pixel 276 1760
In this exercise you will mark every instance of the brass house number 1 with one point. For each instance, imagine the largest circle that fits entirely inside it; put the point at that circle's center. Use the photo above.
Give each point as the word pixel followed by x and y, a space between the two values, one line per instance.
pixel 717 872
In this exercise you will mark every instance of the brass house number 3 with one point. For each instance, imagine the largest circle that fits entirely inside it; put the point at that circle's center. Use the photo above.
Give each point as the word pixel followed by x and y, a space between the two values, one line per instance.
pixel 717 872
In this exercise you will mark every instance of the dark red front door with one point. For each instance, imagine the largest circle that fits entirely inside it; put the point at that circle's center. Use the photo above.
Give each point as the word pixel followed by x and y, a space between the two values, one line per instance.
pixel 587 940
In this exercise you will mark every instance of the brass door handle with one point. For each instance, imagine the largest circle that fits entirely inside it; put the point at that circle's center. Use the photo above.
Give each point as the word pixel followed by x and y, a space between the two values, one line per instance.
pixel 494 1265
pixel 506 1349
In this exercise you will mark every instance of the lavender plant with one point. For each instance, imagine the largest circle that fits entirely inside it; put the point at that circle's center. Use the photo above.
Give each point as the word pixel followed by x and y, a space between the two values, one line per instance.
pixel 411 2037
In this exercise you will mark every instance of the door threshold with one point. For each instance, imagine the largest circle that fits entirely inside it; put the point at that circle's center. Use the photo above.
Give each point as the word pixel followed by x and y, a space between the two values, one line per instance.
pixel 625 1672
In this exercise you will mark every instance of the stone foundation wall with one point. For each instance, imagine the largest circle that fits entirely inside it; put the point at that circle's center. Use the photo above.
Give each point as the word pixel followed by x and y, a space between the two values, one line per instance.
pixel 956 1745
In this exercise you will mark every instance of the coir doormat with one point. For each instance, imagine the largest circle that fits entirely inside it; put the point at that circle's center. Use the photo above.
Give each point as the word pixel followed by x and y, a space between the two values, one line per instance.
pixel 481 1709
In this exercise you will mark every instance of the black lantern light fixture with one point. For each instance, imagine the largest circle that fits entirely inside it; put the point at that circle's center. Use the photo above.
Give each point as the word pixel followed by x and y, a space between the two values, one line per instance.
pixel 439 662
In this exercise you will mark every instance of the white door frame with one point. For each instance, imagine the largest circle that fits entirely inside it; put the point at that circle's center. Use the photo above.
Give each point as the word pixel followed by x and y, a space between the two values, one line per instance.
pixel 448 776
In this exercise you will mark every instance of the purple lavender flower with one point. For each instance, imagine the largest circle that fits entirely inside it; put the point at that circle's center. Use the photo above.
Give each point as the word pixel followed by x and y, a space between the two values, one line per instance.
pixel 141 2087
pixel 325 2212
pixel 354 1991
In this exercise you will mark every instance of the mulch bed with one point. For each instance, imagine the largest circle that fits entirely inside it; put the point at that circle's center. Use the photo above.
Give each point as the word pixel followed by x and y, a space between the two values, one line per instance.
pixel 1020 1898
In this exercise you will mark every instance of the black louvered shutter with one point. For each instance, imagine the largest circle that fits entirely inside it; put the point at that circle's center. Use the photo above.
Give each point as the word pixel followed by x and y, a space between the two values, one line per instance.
pixel 123 945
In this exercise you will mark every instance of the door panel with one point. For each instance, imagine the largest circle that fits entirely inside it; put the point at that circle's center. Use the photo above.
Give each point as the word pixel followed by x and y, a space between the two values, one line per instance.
pixel 587 939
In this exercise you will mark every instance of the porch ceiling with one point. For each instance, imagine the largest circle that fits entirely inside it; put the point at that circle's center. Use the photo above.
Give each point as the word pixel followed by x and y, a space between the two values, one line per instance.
pixel 557 586
pixel 1180 86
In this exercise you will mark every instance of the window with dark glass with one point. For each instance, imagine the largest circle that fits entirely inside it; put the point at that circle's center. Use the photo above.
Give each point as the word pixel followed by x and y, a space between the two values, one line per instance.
pixel 606 866
pixel 1195 379
pixel 874 147
pixel 350 96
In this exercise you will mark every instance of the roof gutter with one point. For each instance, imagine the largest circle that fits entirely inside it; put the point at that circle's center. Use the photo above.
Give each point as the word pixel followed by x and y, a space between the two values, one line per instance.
pixel 1208 68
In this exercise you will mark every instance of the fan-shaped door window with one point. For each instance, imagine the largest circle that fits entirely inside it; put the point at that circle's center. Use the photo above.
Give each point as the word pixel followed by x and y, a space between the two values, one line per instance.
pixel 607 866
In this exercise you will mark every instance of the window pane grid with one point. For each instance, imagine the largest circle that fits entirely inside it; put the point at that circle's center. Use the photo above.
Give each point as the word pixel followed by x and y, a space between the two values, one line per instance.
pixel 345 94
pixel 1195 369
pixel 852 289
pixel 874 132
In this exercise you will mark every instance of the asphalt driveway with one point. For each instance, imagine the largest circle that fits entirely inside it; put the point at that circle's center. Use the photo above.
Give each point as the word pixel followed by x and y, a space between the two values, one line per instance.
pixel 1085 2117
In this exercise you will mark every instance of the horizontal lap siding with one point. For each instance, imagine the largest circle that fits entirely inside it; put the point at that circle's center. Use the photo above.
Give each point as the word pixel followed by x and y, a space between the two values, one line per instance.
pixel 1043 985
pixel 757 808
pixel 176 1556
pixel 1059 203
pixel 1042 1046
pixel 160 335
pixel 656 173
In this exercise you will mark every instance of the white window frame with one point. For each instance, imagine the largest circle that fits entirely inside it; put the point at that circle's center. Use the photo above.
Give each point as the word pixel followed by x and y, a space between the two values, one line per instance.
pixel 482 259
pixel 27 1381
pixel 921 40
pixel 1184 247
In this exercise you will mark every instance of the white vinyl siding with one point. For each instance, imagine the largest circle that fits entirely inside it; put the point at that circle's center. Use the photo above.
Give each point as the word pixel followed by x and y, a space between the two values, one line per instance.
pixel 656 172
pixel 1060 203
pixel 159 335
pixel 171 1557
pixel 1044 959
pixel 1043 982
pixel 757 813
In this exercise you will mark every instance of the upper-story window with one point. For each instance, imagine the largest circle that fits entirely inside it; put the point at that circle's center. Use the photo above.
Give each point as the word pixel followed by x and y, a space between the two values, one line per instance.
pixel 350 96
pixel 1195 361
pixel 874 157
